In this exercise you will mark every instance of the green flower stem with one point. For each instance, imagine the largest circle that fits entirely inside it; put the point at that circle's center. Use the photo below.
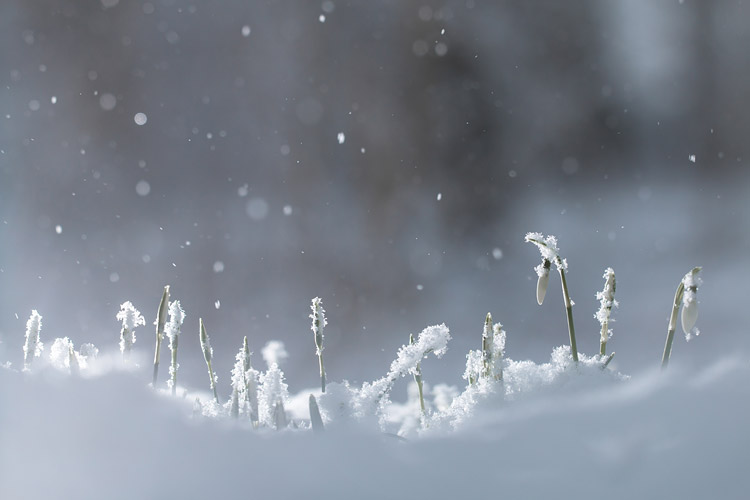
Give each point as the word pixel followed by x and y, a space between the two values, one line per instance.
pixel 418 379
pixel 672 325
pixel 161 319
pixel 603 343
pixel 569 313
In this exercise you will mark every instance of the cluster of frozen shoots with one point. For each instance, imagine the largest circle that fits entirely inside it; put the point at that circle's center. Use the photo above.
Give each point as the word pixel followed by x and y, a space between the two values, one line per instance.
pixel 260 399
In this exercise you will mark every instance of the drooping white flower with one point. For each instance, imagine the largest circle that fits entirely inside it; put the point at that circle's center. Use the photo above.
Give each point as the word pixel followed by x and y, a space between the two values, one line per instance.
pixel 691 282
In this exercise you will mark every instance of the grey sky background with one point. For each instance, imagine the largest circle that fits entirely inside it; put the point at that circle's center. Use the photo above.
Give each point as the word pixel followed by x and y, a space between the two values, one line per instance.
pixel 465 125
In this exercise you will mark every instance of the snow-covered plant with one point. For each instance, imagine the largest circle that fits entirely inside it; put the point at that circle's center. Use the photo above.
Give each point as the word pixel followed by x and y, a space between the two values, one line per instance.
pixel 244 386
pixel 550 253
pixel 606 303
pixel 161 318
pixel 272 395
pixel 686 295
pixel 62 356
pixel 319 322
pixel 33 347
pixel 208 353
pixel 172 331
pixel 130 318
pixel 316 422
pixel 418 379
pixel 373 396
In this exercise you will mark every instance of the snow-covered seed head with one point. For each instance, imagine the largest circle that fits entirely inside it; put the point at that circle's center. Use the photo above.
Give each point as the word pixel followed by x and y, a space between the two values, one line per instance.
pixel 176 318
pixel 319 322
pixel 691 281
pixel 130 316
pixel 542 271
pixel 606 296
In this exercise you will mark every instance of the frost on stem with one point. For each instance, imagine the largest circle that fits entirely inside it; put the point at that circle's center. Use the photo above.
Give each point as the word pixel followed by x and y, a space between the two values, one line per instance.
pixel 172 331
pixel 319 322
pixel 130 318
pixel 207 355
pixel 33 347
pixel 548 248
pixel 606 303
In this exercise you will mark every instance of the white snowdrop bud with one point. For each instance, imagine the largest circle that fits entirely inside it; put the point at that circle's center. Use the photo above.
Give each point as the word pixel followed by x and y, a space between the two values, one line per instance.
pixel 690 300
pixel 541 285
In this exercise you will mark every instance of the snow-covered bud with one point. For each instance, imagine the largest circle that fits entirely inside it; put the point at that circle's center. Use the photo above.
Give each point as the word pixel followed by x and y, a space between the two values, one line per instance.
pixel 130 318
pixel 547 246
pixel 542 271
pixel 487 349
pixel 207 355
pixel 691 281
pixel 606 300
pixel 319 322
pixel 33 346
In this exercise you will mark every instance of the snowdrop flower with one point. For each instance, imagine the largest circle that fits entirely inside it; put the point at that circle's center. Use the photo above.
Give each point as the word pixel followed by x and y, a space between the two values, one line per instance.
pixel 691 281
pixel 542 270
pixel 547 246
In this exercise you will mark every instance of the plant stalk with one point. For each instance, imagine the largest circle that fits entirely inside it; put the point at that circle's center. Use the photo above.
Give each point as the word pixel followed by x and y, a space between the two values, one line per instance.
pixel 161 319
pixel 569 314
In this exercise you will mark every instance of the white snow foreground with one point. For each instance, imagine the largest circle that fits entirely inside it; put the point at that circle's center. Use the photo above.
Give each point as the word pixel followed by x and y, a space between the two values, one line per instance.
pixel 673 434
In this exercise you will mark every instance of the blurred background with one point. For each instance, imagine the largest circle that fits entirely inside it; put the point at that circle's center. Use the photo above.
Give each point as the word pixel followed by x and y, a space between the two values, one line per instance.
pixel 386 156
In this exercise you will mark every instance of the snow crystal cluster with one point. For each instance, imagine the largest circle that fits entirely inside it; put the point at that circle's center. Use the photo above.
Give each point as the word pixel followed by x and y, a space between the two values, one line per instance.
pixel 130 318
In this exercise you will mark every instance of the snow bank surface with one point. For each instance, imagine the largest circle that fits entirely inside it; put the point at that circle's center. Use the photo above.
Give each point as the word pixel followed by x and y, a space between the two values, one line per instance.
pixel 673 434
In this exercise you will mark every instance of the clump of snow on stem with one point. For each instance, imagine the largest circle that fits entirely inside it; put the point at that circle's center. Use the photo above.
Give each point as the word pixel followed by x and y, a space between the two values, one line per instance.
pixel 33 347
pixel 176 318
pixel 547 246
pixel 130 318
pixel 606 302
pixel 172 331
